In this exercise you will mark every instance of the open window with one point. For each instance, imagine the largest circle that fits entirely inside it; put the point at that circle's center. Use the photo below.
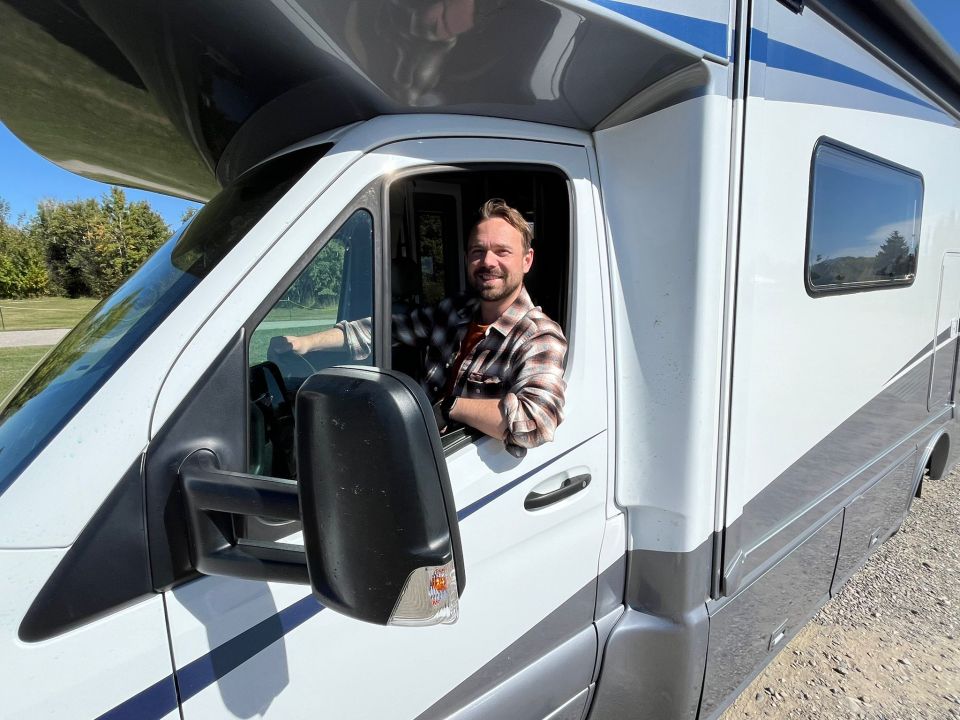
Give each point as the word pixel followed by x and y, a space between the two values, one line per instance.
pixel 431 215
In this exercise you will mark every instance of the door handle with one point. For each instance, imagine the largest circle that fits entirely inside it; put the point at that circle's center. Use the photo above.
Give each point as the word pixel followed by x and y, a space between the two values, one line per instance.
pixel 570 486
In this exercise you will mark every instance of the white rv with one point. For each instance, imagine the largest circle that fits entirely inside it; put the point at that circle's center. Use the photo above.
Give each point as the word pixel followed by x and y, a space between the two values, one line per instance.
pixel 746 221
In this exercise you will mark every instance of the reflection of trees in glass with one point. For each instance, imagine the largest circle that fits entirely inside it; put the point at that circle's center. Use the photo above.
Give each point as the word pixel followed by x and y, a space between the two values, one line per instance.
pixel 893 260
pixel 430 235
pixel 98 327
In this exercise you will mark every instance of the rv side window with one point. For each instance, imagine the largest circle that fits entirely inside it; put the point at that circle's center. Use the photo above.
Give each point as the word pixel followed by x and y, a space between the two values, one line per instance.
pixel 864 222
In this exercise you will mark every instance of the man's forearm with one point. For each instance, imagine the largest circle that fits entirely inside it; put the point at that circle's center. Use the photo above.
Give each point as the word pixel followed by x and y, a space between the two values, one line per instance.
pixel 323 340
pixel 484 415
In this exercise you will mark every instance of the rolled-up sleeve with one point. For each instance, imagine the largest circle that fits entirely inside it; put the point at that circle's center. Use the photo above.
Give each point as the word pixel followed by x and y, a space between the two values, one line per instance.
pixel 358 336
pixel 534 406
pixel 411 328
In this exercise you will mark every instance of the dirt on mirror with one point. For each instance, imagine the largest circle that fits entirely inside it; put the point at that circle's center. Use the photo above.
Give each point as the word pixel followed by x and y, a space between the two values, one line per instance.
pixel 886 647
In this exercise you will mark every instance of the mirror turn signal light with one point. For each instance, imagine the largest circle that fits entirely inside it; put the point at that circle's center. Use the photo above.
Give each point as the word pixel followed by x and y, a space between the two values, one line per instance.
pixel 429 597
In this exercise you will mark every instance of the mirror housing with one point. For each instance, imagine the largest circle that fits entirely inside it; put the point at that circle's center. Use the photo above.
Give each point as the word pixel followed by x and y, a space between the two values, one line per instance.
pixel 379 521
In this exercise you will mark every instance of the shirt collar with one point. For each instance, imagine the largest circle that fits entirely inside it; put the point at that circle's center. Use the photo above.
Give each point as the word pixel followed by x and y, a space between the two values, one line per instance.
pixel 513 314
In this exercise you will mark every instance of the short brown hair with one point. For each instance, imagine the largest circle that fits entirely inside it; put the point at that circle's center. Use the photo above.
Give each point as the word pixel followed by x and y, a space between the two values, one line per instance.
pixel 498 208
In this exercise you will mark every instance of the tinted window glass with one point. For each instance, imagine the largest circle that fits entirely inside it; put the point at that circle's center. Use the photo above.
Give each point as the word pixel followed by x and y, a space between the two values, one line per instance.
pixel 336 286
pixel 864 222
pixel 100 343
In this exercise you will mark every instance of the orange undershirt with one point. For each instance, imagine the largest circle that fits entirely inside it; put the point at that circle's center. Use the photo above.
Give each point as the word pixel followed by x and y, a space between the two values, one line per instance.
pixel 475 333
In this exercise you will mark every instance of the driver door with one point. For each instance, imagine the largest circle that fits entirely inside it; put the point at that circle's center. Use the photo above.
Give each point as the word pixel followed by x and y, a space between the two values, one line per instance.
pixel 524 645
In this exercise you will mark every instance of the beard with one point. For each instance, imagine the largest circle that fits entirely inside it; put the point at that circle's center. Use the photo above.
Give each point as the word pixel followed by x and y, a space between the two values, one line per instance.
pixel 496 291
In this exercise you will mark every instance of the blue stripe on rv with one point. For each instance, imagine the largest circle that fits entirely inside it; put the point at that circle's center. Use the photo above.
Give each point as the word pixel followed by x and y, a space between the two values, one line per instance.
pixel 707 35
pixel 781 56
pixel 207 669
pixel 156 701
pixel 161 698
pixel 711 37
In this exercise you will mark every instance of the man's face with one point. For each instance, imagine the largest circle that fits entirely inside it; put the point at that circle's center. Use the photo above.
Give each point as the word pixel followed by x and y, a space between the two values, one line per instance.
pixel 496 262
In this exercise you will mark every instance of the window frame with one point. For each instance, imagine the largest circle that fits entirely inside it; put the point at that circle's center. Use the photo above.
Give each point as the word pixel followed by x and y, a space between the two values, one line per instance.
pixel 817 291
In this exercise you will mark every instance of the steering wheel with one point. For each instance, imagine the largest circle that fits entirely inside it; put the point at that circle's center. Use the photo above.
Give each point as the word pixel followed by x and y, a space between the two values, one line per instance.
pixel 289 363
pixel 272 421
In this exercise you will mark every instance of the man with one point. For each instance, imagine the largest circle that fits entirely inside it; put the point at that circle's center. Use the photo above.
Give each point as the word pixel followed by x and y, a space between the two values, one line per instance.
pixel 493 361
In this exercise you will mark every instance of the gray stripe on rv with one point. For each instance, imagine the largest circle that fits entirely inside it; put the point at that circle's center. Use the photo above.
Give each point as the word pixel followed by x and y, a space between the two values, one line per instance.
pixel 832 471
pixel 548 666
pixel 654 660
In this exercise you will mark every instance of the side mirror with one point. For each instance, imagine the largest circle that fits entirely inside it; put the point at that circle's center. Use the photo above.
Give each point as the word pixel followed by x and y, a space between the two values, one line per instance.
pixel 379 522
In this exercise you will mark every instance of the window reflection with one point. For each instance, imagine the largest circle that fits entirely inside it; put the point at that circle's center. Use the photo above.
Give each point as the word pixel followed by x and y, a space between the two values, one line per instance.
pixel 864 222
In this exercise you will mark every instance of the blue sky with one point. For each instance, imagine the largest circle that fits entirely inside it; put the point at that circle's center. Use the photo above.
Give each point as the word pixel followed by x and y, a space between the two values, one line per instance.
pixel 26 178
pixel 945 16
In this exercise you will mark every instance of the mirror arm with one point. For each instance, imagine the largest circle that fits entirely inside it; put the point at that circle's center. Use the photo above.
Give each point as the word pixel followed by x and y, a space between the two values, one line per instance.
pixel 212 497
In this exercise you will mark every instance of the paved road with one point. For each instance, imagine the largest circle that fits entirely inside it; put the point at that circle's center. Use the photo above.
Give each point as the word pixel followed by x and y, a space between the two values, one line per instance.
pixel 25 338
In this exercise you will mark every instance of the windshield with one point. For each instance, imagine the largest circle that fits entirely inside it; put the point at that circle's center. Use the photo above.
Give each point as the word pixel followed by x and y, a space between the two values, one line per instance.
pixel 77 367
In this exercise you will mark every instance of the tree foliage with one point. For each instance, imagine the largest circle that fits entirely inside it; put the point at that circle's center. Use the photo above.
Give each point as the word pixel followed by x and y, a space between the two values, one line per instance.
pixel 83 247
pixel 23 267
pixel 319 284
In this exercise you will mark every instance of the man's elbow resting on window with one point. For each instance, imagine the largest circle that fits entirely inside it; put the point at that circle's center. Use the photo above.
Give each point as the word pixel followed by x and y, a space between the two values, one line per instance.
pixel 484 415
pixel 493 417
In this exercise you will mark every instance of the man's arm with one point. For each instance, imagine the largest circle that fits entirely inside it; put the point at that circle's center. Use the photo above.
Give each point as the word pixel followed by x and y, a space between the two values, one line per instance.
pixel 484 415
pixel 324 340
pixel 529 414
pixel 356 336
pixel 533 408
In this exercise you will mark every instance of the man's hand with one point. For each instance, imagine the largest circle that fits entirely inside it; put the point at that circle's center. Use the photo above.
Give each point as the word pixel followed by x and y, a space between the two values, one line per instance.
pixel 280 345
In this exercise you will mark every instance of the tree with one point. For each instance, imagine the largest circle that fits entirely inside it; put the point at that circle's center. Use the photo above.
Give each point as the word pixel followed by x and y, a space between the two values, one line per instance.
pixel 23 270
pixel 130 234
pixel 894 257
pixel 91 247
pixel 319 284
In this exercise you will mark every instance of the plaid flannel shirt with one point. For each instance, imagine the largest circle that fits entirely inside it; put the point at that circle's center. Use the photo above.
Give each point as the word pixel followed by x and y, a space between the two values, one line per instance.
pixel 520 361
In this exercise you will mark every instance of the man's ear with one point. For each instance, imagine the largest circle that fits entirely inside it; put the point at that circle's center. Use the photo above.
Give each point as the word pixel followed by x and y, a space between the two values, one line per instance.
pixel 528 261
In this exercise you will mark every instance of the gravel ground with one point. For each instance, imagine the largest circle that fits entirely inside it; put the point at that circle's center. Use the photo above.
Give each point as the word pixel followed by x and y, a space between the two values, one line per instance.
pixel 886 647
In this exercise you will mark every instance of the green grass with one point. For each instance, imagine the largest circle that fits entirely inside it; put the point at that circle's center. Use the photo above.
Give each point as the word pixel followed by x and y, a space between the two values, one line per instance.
pixel 15 363
pixel 44 313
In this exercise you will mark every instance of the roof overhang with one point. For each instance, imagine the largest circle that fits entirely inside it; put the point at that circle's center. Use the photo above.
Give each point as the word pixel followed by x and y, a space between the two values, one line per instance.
pixel 181 96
